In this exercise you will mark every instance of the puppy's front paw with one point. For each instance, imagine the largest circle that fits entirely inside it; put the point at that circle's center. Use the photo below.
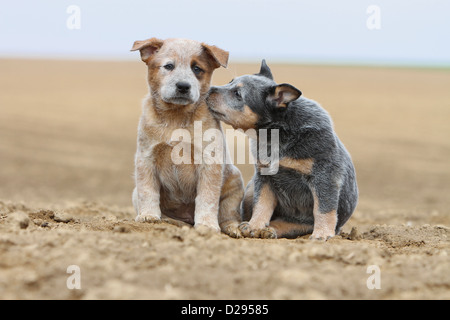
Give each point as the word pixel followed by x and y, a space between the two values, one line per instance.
pixel 148 218
pixel 322 235
pixel 245 229
pixel 232 230
pixel 206 229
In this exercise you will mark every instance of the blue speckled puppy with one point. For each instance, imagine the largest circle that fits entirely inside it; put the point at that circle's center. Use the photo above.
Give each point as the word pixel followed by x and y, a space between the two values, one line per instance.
pixel 311 187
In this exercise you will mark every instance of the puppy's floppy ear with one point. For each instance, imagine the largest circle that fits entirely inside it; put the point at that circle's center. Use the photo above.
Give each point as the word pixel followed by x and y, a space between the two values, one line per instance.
pixel 284 93
pixel 265 70
pixel 147 47
pixel 219 56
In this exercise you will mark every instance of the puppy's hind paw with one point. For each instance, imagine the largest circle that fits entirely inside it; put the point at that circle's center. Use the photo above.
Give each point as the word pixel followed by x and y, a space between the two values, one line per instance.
pixel 267 233
pixel 263 233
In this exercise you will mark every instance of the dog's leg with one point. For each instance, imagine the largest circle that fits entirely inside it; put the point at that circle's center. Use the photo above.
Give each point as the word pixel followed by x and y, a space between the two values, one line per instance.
pixel 208 196
pixel 264 205
pixel 147 192
pixel 230 201
pixel 247 202
pixel 325 212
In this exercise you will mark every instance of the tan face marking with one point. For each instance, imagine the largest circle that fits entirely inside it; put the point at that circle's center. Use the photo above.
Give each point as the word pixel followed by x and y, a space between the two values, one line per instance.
pixel 239 119
pixel 247 119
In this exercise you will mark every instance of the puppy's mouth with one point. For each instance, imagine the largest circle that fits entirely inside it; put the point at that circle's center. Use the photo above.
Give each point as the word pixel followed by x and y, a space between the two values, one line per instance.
pixel 217 114
pixel 179 100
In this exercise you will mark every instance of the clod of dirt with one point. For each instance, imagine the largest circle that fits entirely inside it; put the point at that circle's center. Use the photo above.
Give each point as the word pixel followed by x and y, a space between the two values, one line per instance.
pixel 62 217
pixel 19 219
pixel 355 234
pixel 40 223
pixel 121 229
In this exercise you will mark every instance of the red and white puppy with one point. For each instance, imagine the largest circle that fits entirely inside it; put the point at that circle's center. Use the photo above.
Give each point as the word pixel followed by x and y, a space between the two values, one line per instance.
pixel 206 195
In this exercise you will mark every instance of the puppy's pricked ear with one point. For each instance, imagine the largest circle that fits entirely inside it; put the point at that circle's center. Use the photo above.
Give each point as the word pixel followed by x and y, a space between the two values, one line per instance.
pixel 265 70
pixel 147 47
pixel 219 56
pixel 284 93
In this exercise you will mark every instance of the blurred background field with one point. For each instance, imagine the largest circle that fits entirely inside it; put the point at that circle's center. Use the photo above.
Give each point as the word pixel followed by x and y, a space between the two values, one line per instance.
pixel 68 129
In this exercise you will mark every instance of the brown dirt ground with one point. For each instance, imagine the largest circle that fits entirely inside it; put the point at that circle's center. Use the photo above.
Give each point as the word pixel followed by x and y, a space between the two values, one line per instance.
pixel 67 141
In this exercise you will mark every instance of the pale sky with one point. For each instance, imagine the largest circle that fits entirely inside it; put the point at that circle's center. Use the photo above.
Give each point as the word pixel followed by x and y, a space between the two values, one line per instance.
pixel 411 32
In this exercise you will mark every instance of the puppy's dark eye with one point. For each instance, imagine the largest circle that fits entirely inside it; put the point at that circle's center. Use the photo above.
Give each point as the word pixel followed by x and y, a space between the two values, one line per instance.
pixel 197 70
pixel 237 93
pixel 169 67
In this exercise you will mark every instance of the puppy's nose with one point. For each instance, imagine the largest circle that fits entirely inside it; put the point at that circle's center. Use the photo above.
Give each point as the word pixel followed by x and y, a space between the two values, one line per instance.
pixel 183 87
pixel 213 89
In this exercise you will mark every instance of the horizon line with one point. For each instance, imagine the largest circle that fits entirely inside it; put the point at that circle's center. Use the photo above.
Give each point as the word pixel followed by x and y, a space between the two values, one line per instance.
pixel 344 62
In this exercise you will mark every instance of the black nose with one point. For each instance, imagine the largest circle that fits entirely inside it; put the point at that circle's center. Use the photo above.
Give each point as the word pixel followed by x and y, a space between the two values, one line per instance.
pixel 213 89
pixel 183 87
